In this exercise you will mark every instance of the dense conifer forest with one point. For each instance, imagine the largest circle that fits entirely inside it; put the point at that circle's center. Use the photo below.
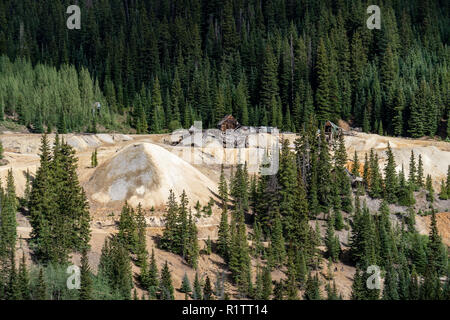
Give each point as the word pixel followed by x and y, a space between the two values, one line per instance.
pixel 159 65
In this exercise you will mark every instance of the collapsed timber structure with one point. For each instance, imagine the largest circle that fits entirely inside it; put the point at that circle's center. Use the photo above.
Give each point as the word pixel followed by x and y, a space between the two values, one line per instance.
pixel 332 131
pixel 228 134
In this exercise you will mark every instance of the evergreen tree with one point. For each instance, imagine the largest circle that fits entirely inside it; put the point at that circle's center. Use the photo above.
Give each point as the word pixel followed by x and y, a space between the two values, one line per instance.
pixel 24 280
pixel 8 226
pixel 375 184
pixel 356 166
pixel 430 189
pixel 419 178
pixel 312 290
pixel 443 194
pixel 331 240
pixel 414 285
pixel 332 293
pixel 390 177
pixel 186 286
pixel 41 289
pixel 85 278
pixel 278 291
pixel 358 285
pixel 58 205
pixel 94 162
pixel 390 290
pixel 115 267
pixel 267 284
pixel 287 178
pixel 141 243
pixel 412 171
pixel 169 240
pixel 277 242
pixel 197 293
pixel 448 182
pixel 207 290
pixel 268 82
pixel 324 111
pixel 13 291
pixel 223 242
pixel 127 228
pixel 153 279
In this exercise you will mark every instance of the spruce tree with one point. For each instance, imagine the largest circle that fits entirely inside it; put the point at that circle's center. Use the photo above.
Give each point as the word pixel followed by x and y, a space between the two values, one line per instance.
pixel 323 79
pixel 207 290
pixel 390 177
pixel 153 279
pixel 448 182
pixel 94 162
pixel 342 181
pixel 24 280
pixel 356 165
pixel 41 289
pixel 332 293
pixel 366 172
pixel 58 205
pixel 192 250
pixel 13 291
pixel 197 292
pixel 267 284
pixel 115 267
pixel 185 286
pixel 412 171
pixel 390 290
pixel 416 116
pixel 27 191
pixel 312 289
pixel 291 283
pixel 331 240
pixel 141 244
pixel 278 291
pixel 375 184
pixel 419 178
pixel 8 232
pixel 324 181
pixel 85 278
pixel 165 284
pixel 443 194
pixel 430 189
pixel 223 242
pixel 357 285
pixel 414 285
pixel 127 228
pixel 169 240
pixel 223 189
pixel 269 86
pixel 277 242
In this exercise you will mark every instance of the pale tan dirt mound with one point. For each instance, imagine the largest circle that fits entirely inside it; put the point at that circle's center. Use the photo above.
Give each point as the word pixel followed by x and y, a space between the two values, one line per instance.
pixel 443 224
pixel 145 173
